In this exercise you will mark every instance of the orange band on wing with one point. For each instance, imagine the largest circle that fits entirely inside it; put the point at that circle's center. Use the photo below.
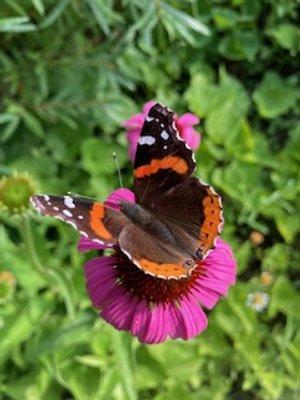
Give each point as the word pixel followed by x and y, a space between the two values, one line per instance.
pixel 97 215
pixel 165 270
pixel 178 164
pixel 213 217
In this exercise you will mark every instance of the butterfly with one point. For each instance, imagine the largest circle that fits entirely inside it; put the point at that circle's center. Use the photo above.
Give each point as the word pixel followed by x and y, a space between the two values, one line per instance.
pixel 176 218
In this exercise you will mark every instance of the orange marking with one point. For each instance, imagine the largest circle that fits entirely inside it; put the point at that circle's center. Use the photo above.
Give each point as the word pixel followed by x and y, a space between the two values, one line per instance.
pixel 97 214
pixel 212 212
pixel 178 164
pixel 165 270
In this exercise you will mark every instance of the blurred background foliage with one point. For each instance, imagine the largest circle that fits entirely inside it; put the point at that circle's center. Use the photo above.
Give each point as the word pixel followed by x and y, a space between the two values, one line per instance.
pixel 71 72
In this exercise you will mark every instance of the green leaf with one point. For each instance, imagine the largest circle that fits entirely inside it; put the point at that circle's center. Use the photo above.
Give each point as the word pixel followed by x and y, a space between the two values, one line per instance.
pixel 276 258
pixel 123 346
pixel 227 116
pixel 29 317
pixel 284 298
pixel 287 36
pixel 201 94
pixel 240 45
pixel 16 24
pixel 54 14
pixel 288 224
pixel 274 96
pixel 224 18
pixel 243 256
pixel 185 19
pixel 97 156
pixel 39 6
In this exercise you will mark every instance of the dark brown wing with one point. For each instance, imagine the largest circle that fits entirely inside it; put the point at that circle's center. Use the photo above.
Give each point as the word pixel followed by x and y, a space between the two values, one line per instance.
pixel 99 223
pixel 163 159
pixel 153 256
pixel 192 211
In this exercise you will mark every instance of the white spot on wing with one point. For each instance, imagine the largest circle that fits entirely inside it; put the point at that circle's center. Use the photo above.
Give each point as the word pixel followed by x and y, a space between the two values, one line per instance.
pixel 165 135
pixel 68 213
pixel 55 208
pixel 69 202
pixel 80 217
pixel 149 119
pixel 148 140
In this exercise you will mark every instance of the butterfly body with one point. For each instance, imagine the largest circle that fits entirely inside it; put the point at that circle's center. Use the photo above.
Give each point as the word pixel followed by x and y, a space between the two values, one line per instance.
pixel 176 218
pixel 145 220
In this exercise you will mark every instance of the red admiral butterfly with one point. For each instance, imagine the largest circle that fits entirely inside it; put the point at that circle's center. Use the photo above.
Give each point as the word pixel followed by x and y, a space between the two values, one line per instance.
pixel 176 218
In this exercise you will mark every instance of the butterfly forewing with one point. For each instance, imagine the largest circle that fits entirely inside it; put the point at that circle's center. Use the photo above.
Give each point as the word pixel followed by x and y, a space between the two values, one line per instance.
pixel 162 159
pixel 93 220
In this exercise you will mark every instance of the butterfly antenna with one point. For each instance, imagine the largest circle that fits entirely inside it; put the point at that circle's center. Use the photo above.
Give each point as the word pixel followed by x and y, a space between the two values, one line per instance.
pixel 119 170
pixel 80 196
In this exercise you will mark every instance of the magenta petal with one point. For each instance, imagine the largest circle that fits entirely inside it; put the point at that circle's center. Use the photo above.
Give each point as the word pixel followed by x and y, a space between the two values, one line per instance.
pixel 136 121
pixel 194 318
pixel 119 311
pixel 219 271
pixel 207 298
pixel 157 329
pixel 140 318
pixel 220 263
pixel 86 244
pixel 147 107
pixel 117 195
pixel 187 119
pixel 133 134
pixel 132 138
pixel 176 327
pixel 101 280
pixel 191 137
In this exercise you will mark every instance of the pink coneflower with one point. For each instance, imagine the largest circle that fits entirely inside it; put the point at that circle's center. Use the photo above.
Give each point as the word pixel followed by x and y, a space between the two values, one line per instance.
pixel 184 125
pixel 152 308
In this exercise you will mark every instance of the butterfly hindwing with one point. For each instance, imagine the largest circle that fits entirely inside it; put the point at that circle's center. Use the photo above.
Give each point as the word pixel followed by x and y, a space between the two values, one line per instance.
pixel 155 257
pixel 193 211
pixel 92 219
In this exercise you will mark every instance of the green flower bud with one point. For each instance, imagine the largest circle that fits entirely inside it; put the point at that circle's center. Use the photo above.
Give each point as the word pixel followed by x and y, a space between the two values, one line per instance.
pixel 15 192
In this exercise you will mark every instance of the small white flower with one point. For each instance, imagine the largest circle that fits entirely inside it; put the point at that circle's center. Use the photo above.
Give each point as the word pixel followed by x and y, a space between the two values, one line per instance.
pixel 258 301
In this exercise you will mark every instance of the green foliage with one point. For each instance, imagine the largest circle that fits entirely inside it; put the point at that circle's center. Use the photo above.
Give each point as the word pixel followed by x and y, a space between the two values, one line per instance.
pixel 71 73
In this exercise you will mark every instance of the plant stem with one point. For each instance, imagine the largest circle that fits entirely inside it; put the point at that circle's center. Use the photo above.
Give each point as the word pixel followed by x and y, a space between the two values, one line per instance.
pixel 26 232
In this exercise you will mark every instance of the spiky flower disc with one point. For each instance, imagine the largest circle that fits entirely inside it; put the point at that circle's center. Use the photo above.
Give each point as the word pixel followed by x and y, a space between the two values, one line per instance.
pixel 15 192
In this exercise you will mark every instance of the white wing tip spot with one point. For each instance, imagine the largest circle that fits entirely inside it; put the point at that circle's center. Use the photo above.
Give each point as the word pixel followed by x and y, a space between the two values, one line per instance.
pixel 164 135
pixel 69 202
pixel 67 213
pixel 148 140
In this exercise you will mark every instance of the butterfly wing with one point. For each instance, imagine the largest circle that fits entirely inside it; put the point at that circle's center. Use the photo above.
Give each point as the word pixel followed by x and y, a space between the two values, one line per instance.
pixel 96 221
pixel 153 256
pixel 193 212
pixel 163 159
pixel 163 184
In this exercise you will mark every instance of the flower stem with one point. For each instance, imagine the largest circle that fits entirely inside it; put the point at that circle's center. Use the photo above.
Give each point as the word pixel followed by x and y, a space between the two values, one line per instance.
pixel 53 276
pixel 26 232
